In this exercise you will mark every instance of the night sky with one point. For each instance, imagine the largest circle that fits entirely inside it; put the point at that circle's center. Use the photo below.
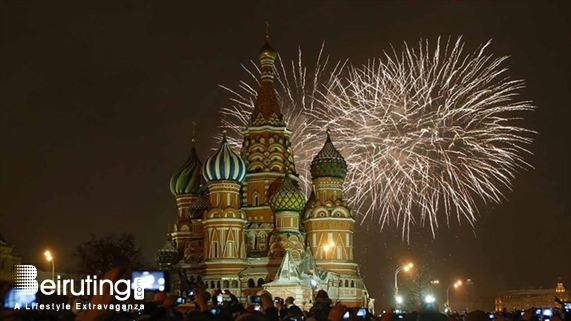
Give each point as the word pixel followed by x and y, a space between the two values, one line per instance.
pixel 98 98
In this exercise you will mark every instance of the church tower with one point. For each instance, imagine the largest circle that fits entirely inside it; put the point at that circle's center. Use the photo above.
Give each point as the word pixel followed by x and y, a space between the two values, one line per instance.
pixel 187 187
pixel 224 223
pixel 330 224
pixel 267 154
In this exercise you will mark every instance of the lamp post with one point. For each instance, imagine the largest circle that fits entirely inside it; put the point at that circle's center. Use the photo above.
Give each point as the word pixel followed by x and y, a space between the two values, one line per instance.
pixel 405 268
pixel 455 285
pixel 50 258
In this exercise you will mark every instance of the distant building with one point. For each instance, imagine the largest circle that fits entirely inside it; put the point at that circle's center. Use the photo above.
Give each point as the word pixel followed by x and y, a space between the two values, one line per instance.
pixel 530 298
pixel 8 257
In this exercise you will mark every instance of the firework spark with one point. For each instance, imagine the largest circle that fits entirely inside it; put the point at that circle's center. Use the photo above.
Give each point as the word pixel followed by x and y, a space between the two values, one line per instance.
pixel 423 132
pixel 428 132
pixel 296 88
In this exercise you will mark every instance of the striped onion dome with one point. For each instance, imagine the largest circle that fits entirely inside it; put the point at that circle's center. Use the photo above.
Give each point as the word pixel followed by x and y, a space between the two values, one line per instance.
pixel 224 165
pixel 168 254
pixel 288 197
pixel 189 178
pixel 328 162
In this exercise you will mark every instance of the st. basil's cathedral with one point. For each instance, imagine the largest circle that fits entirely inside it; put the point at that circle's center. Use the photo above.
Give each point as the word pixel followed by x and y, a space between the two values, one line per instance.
pixel 245 225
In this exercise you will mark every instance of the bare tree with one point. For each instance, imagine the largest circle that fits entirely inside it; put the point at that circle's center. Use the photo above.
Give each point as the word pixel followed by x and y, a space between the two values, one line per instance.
pixel 98 255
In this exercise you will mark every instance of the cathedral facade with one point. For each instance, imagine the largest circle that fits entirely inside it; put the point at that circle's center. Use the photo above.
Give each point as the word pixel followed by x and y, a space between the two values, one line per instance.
pixel 244 224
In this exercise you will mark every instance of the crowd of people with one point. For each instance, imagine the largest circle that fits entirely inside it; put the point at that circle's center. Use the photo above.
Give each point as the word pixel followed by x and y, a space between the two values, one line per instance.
pixel 202 306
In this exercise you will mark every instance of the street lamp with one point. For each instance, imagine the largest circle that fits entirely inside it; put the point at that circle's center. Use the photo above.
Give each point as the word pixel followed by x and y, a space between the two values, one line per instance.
pixel 455 285
pixel 49 257
pixel 405 268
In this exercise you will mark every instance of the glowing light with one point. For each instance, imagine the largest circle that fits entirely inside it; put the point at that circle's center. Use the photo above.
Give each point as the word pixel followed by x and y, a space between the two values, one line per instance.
pixel 429 299
pixel 438 127
pixel 48 255
pixel 148 280
pixel 399 299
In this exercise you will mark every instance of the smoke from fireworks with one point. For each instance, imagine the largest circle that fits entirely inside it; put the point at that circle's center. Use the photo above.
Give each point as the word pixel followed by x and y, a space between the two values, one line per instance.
pixel 423 132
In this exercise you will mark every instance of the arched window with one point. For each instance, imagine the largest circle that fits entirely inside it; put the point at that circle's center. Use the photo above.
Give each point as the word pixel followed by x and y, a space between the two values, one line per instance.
pixel 251 241
pixel 226 284
pixel 251 283
pixel 234 284
pixel 346 283
pixel 214 249
pixel 260 282
pixel 218 284
pixel 212 285
pixel 255 198
pixel 261 241
pixel 352 283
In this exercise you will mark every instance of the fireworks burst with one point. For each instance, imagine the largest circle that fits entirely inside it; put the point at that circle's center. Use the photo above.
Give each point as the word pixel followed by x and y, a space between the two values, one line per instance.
pixel 428 132
pixel 423 132
pixel 296 88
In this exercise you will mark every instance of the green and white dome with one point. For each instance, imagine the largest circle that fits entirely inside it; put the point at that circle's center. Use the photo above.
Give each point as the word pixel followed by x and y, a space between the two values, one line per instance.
pixel 189 178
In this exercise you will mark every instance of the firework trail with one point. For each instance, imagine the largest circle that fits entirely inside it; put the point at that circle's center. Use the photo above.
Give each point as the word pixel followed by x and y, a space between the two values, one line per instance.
pixel 296 88
pixel 424 131
pixel 428 132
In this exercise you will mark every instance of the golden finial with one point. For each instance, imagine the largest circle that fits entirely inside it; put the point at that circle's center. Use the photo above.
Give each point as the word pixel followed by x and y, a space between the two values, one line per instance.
pixel 267 31
pixel 193 132
pixel 224 122
pixel 328 131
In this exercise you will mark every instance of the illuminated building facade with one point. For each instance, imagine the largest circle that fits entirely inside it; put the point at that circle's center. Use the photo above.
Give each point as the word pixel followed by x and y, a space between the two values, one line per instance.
pixel 531 298
pixel 244 224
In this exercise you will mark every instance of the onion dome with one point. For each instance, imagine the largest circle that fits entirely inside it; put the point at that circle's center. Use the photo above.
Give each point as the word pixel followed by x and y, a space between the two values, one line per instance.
pixel 189 178
pixel 197 208
pixel 328 162
pixel 267 50
pixel 288 197
pixel 168 254
pixel 224 165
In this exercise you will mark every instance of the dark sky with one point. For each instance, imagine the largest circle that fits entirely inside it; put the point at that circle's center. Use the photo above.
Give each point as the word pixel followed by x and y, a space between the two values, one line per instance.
pixel 97 100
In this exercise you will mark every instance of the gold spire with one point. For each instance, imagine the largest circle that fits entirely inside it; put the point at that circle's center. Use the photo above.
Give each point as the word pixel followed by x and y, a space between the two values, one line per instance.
pixel 224 122
pixel 267 50
pixel 193 132
pixel 328 131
